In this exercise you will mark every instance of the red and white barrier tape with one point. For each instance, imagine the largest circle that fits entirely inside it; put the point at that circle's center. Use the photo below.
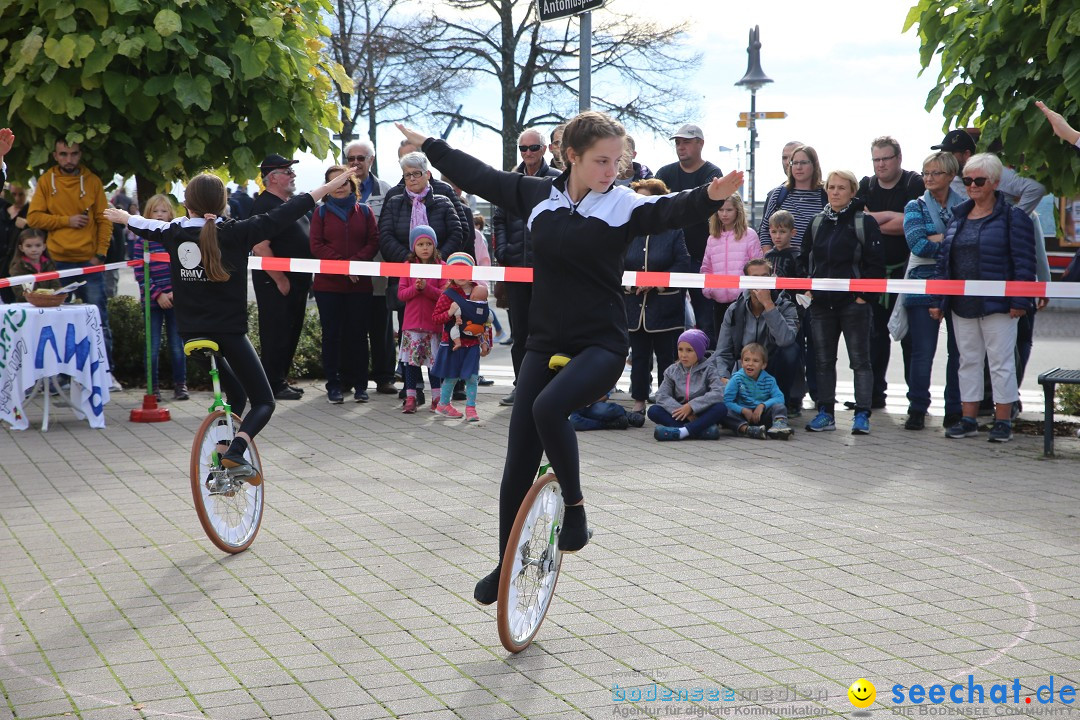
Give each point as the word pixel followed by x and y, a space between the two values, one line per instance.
pixel 988 288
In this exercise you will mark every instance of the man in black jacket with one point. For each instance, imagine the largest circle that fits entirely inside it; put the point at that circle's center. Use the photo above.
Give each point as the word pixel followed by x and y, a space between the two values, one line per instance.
pixel 514 249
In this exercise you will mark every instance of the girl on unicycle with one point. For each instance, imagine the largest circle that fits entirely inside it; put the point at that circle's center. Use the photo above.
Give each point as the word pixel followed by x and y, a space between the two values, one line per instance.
pixel 208 262
pixel 580 228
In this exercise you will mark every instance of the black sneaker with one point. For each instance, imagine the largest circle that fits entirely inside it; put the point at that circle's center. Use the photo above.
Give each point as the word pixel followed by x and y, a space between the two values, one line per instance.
pixel 951 419
pixel 287 393
pixel 1001 432
pixel 636 419
pixel 484 382
pixel 509 399
pixel 619 423
pixel 915 421
pixel 297 388
pixel 361 396
pixel 486 591
pixel 334 396
pixel 574 533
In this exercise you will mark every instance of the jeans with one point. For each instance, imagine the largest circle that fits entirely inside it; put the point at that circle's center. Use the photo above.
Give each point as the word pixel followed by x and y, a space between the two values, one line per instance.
pixel 344 318
pixel 281 320
pixel 853 320
pixel 643 345
pixel 596 416
pixel 93 293
pixel 785 367
pixel 804 380
pixel 735 419
pixel 923 333
pixel 712 415
pixel 952 370
pixel 159 315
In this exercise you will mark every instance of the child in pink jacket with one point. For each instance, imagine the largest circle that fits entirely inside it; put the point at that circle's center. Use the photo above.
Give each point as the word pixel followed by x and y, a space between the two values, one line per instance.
pixel 419 333
pixel 731 244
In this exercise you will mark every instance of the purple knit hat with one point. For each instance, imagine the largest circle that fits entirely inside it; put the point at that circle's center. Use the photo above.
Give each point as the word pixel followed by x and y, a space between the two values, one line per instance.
pixel 697 340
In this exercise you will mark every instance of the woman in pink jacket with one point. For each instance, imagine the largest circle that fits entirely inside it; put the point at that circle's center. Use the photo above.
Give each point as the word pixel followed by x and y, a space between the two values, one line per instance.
pixel 731 244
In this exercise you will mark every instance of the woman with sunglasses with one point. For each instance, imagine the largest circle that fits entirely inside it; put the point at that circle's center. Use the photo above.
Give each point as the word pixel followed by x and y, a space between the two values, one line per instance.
pixel 925 220
pixel 987 239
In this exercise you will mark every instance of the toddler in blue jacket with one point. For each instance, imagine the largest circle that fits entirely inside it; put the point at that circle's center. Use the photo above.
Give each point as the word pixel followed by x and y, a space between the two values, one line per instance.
pixel 756 407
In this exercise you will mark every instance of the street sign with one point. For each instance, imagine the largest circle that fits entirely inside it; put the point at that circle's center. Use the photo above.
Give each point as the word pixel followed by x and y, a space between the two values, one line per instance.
pixel 762 116
pixel 558 9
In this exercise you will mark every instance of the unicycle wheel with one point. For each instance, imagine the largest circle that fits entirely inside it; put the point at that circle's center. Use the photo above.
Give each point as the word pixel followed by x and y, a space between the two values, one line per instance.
pixel 230 513
pixel 530 566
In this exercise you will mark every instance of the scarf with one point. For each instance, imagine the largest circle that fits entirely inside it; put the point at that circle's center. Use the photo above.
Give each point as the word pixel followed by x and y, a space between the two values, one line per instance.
pixel 340 206
pixel 419 209
pixel 831 214
pixel 941 215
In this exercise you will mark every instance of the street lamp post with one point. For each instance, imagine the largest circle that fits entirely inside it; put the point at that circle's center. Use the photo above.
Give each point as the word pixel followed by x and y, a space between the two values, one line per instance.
pixel 754 80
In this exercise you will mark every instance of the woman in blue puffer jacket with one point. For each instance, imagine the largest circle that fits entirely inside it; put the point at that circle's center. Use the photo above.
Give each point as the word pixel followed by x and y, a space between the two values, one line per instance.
pixel 987 239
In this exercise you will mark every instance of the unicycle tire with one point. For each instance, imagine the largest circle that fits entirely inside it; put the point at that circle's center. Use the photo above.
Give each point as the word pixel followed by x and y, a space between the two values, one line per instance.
pixel 531 564
pixel 230 521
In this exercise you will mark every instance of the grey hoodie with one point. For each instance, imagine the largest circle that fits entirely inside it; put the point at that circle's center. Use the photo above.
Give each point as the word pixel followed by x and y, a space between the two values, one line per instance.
pixel 704 387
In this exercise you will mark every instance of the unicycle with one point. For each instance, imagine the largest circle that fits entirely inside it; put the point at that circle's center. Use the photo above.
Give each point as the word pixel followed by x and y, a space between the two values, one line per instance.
pixel 230 510
pixel 531 563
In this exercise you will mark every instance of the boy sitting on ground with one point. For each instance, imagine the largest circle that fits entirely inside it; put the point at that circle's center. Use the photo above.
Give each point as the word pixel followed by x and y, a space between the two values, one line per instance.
pixel 755 404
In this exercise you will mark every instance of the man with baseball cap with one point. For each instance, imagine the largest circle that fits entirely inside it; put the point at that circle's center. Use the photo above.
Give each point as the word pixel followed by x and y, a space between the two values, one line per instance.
pixel 281 296
pixel 1023 192
pixel 689 172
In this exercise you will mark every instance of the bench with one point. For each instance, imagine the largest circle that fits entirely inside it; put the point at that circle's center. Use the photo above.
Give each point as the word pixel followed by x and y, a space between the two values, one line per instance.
pixel 1049 380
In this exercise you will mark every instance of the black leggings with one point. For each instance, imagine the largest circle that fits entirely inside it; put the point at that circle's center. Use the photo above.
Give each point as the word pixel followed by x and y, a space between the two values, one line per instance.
pixel 242 378
pixel 540 422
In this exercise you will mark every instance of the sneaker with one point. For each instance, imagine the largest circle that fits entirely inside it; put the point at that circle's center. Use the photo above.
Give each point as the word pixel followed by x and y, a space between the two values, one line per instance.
pixel 507 341
pixel 619 423
pixel 967 427
pixel 1001 432
pixel 470 413
pixel 757 432
pixel 287 393
pixel 114 384
pixel 780 430
pixel 915 421
pixel 500 338
pixel 636 419
pixel 434 403
pixel 822 422
pixel 242 469
pixel 508 401
pixel 710 433
pixel 157 394
pixel 297 388
pixel 410 406
pixel 335 396
pixel 1017 408
pixel 861 424
pixel 385 388
pixel 483 381
pixel 448 410
pixel 361 396
pixel 487 589
pixel 663 432
pixel 180 392
pixel 574 533
pixel 951 419
pixel 794 411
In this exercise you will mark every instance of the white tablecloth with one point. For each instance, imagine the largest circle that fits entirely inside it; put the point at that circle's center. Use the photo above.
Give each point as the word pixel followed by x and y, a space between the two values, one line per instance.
pixel 41 342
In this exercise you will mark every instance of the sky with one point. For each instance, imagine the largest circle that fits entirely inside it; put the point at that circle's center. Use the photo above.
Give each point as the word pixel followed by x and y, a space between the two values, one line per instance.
pixel 842 71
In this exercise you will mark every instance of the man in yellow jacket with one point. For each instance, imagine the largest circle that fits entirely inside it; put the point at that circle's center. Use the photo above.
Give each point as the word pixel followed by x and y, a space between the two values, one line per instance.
pixel 69 203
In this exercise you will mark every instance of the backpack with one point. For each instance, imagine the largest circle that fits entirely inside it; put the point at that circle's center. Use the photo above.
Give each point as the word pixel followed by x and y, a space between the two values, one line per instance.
pixel 783 193
pixel 472 313
pixel 860 233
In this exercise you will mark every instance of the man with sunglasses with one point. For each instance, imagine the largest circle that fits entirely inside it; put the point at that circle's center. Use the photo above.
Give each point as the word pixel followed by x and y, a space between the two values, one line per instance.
pixel 885 194
pixel 281 296
pixel 513 247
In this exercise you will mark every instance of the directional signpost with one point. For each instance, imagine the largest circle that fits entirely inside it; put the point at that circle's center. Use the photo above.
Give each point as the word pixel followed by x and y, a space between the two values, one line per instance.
pixel 556 10
pixel 746 118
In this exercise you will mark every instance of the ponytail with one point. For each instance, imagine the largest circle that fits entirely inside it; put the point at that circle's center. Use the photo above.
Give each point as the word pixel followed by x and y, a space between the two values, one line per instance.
pixel 211 253
pixel 205 197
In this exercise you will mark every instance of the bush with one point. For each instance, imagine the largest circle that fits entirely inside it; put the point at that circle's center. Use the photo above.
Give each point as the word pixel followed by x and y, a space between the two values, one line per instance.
pixel 1068 399
pixel 129 346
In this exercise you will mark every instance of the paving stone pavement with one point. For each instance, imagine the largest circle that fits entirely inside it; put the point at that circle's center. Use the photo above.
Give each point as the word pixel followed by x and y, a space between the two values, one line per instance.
pixel 753 577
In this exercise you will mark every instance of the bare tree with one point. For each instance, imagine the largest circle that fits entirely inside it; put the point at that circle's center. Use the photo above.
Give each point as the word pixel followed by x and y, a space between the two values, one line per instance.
pixel 638 68
pixel 392 55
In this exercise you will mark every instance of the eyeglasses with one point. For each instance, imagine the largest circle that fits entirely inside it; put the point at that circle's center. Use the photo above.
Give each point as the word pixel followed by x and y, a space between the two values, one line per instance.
pixel 979 181
pixel 800 163
pixel 530 148
pixel 414 175
pixel 887 158
pixel 933 173
pixel 288 172
pixel 356 158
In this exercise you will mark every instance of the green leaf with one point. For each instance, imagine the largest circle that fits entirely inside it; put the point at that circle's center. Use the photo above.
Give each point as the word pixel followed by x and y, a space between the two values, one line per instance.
pixel 75 107
pixel 54 96
pixel 114 88
pixel 217 66
pixel 130 47
pixel 266 27
pixel 96 62
pixel 126 6
pixel 67 25
pixel 97 8
pixel 252 56
pixel 187 45
pixel 167 23
pixel 195 147
pixel 62 10
pixel 30 47
pixel 16 99
pixel 193 91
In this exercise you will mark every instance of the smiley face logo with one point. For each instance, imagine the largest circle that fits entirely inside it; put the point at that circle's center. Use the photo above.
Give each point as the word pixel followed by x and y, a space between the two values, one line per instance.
pixel 862 693
pixel 189 255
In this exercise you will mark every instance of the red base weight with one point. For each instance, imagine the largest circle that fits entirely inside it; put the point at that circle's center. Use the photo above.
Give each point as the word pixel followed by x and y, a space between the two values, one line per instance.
pixel 150 412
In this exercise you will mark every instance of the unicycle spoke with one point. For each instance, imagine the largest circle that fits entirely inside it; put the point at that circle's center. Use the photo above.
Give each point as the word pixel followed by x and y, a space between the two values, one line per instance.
pixel 229 510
